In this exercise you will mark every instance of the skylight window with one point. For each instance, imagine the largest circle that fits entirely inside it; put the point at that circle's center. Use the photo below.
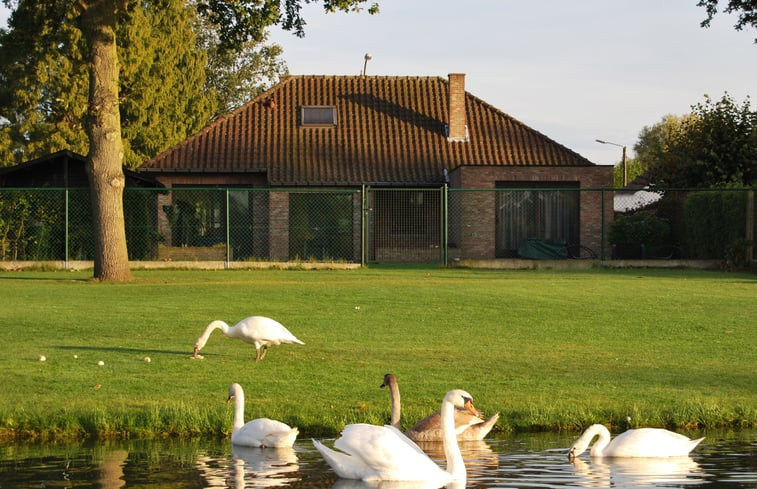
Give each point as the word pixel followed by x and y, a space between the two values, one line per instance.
pixel 318 115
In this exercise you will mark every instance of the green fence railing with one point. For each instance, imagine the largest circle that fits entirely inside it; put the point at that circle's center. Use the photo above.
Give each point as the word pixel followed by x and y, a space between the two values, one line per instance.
pixel 376 225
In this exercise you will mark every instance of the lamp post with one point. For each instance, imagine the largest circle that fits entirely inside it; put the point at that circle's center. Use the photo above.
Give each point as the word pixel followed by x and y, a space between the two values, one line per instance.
pixel 367 58
pixel 625 170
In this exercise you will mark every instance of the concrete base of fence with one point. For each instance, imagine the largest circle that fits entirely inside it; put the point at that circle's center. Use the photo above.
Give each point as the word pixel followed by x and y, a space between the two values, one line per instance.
pixel 181 265
pixel 501 264
pixel 518 264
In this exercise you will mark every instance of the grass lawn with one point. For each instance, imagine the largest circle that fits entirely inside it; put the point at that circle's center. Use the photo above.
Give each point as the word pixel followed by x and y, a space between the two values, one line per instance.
pixel 549 350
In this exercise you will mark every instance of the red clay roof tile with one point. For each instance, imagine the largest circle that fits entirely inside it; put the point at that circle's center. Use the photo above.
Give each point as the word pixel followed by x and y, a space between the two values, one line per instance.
pixel 390 130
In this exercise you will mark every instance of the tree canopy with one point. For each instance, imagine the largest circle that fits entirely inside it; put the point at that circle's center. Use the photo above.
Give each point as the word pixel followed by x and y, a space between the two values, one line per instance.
pixel 173 80
pixel 746 10
pixel 714 145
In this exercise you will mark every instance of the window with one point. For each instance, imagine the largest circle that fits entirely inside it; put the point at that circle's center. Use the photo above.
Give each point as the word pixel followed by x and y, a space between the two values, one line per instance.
pixel 318 115
pixel 545 210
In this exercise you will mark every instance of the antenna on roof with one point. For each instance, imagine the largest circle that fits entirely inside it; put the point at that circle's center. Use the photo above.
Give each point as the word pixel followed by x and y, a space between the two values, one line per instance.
pixel 365 64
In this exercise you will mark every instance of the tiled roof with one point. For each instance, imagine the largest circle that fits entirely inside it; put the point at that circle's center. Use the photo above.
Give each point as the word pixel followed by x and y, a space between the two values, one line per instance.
pixel 390 130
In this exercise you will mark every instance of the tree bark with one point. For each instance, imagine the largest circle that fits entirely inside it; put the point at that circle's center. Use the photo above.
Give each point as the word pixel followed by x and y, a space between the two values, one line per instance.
pixel 105 158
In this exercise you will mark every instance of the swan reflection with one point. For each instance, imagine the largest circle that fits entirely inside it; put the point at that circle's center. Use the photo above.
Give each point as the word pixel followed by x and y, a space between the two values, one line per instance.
pixel 359 484
pixel 264 467
pixel 477 455
pixel 615 472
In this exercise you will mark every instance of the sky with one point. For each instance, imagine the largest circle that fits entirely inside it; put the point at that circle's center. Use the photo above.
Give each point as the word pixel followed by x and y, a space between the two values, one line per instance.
pixel 574 70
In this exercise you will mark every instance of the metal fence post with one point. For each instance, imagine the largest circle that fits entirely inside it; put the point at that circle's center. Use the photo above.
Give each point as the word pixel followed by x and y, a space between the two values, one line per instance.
pixel 228 235
pixel 445 225
pixel 65 239
pixel 602 226
pixel 363 227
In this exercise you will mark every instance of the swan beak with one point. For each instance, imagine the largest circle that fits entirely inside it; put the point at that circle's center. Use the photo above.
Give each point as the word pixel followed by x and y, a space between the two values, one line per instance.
pixel 228 399
pixel 468 405
pixel 571 455
pixel 195 351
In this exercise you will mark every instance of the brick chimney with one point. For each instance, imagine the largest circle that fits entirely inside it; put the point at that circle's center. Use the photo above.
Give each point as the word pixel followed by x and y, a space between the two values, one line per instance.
pixel 457 130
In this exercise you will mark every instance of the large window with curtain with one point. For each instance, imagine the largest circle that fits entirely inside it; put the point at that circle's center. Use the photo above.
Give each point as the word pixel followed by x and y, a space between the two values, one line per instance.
pixel 544 210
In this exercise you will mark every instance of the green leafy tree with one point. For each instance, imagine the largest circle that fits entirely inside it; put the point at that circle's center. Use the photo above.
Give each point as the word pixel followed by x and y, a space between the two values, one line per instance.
pixel 746 9
pixel 715 145
pixel 97 21
pixel 237 76
pixel 44 95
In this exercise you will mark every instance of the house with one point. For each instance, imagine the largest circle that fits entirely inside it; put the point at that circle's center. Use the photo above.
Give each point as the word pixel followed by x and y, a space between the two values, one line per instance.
pixel 442 168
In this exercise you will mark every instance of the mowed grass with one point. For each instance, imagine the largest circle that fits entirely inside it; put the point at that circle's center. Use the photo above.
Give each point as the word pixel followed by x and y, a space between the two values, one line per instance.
pixel 549 350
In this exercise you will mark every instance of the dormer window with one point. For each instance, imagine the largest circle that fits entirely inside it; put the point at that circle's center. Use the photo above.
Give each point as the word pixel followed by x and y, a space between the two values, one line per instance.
pixel 318 115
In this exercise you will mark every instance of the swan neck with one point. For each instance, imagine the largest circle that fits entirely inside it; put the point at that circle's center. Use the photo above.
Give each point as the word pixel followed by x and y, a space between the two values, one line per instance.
pixel 455 463
pixel 217 324
pixel 598 448
pixel 238 409
pixel 394 392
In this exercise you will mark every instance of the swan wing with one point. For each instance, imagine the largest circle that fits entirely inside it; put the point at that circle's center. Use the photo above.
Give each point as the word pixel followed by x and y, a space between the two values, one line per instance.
pixel 387 453
pixel 479 431
pixel 346 466
pixel 264 432
pixel 650 442
pixel 265 331
pixel 430 428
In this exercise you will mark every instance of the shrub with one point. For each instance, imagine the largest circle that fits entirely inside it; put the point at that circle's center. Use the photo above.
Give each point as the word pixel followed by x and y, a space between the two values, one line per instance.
pixel 715 223
pixel 641 228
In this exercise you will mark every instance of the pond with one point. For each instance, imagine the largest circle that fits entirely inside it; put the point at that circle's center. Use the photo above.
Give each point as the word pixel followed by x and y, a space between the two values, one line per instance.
pixel 723 460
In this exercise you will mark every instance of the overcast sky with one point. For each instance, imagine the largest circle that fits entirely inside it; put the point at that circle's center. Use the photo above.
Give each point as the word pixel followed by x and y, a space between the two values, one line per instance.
pixel 575 70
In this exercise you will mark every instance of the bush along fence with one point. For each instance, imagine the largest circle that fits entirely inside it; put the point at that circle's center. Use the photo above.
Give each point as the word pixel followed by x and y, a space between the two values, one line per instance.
pixel 379 225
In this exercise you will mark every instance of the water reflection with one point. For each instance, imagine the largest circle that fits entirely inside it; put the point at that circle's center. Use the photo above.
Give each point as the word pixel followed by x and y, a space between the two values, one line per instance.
pixel 264 467
pixel 112 470
pixel 355 484
pixel 478 456
pixel 638 472
pixel 529 461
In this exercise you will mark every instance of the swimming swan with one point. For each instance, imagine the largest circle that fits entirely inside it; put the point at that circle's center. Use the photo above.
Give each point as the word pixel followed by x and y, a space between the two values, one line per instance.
pixel 257 330
pixel 261 432
pixel 467 425
pixel 371 452
pixel 642 442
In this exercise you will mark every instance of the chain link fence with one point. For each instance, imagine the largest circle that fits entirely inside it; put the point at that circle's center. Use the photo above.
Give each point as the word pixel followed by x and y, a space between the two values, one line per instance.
pixel 372 225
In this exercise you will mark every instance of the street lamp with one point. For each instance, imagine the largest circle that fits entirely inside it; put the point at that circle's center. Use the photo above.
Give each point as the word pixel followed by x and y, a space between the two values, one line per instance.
pixel 367 57
pixel 625 170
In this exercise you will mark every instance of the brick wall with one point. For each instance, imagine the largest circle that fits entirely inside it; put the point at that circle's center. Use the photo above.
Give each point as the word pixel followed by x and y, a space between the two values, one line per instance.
pixel 477 240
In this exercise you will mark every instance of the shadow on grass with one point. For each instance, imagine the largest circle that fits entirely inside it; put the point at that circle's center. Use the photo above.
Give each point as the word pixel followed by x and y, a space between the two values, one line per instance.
pixel 119 349
pixel 49 278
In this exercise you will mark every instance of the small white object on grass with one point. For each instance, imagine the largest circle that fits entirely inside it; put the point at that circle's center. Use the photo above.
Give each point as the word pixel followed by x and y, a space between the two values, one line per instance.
pixel 101 363
pixel 147 359
pixel 42 358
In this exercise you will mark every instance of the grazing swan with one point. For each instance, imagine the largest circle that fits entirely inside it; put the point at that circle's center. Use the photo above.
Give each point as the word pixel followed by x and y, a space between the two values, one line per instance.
pixel 371 452
pixel 467 425
pixel 262 432
pixel 258 330
pixel 642 442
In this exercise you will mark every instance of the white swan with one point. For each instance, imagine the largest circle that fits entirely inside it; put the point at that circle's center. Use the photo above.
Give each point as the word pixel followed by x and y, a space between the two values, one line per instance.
pixel 467 425
pixel 257 330
pixel 642 442
pixel 371 452
pixel 262 432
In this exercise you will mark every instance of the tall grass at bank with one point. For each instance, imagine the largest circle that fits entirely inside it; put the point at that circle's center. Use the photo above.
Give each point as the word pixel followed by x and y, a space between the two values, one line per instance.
pixel 549 350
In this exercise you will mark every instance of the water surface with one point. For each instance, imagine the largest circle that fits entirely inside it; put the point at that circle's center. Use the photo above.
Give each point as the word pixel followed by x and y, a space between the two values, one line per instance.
pixel 723 460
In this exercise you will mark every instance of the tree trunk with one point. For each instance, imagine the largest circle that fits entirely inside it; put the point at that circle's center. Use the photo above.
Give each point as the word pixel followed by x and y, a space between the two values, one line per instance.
pixel 105 159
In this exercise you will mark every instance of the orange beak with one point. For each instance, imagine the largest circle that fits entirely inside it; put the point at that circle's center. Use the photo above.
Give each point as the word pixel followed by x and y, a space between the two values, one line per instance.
pixel 471 408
